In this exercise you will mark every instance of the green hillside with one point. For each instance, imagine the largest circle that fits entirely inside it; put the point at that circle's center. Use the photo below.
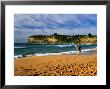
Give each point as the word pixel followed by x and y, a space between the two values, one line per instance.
pixel 61 39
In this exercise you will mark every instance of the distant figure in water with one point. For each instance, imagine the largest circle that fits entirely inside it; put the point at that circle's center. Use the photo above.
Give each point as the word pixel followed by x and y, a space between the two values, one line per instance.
pixel 78 48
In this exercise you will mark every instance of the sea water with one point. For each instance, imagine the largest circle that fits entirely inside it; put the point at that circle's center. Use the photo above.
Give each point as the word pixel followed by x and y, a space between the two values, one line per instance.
pixel 24 49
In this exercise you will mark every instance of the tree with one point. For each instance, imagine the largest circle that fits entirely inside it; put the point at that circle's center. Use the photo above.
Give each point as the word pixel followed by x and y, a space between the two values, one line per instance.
pixel 55 34
pixel 89 35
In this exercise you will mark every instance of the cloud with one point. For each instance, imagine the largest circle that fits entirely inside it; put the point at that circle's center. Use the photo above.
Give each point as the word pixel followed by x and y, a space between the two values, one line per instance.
pixel 22 36
pixel 53 21
pixel 65 24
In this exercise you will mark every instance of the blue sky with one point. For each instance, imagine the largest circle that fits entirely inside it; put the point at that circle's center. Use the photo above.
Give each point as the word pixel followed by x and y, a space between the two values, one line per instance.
pixel 40 24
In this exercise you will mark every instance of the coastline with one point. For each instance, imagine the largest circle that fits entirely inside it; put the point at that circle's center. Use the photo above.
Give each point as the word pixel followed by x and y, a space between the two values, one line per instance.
pixel 57 65
pixel 85 51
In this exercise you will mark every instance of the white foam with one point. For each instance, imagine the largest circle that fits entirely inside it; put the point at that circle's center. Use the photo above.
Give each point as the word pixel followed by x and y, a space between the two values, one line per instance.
pixel 18 56
pixel 64 45
pixel 88 49
pixel 20 47
pixel 47 54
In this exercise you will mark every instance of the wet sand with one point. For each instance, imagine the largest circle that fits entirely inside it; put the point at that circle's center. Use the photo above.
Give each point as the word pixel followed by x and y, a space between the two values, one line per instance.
pixel 57 65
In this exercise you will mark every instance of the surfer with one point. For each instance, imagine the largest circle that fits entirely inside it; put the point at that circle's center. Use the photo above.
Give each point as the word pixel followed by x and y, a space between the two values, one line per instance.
pixel 78 48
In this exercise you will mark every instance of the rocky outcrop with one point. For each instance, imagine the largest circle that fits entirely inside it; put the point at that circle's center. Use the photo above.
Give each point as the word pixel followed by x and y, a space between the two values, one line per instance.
pixel 59 39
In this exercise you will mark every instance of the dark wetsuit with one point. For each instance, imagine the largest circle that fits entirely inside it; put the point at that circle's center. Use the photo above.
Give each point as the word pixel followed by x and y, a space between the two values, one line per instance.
pixel 79 49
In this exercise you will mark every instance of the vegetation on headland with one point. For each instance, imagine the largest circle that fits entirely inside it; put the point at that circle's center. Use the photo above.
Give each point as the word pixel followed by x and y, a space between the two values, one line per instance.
pixel 62 39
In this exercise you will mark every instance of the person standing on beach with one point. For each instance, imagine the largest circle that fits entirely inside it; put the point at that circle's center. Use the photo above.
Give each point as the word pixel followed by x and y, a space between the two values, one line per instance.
pixel 78 48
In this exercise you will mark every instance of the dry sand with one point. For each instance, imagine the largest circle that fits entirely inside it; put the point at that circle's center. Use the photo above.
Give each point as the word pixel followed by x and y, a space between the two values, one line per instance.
pixel 58 65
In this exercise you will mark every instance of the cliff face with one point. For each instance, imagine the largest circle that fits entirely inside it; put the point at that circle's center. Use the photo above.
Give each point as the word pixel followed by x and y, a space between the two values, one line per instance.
pixel 89 40
pixel 60 39
pixel 42 40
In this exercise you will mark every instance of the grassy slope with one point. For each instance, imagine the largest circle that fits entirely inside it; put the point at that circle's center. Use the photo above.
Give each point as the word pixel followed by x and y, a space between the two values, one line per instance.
pixel 62 39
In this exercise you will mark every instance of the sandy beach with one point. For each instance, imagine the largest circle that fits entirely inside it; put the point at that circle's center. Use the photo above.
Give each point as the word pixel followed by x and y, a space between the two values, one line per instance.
pixel 56 65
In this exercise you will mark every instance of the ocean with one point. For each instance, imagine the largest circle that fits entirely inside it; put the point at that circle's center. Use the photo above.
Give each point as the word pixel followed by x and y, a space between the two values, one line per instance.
pixel 24 49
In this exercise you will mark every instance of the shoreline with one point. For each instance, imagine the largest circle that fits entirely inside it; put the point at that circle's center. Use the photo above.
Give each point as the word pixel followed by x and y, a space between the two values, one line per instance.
pixel 57 65
pixel 84 52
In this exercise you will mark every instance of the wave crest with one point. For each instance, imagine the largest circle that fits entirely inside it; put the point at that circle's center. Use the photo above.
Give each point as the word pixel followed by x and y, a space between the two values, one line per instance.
pixel 64 45
pixel 47 54
pixel 19 47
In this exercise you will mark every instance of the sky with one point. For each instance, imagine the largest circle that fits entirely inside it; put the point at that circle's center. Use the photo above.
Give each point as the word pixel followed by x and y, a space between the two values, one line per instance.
pixel 26 25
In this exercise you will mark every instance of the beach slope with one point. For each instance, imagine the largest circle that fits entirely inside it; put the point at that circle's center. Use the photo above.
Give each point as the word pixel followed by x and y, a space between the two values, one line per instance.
pixel 57 65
